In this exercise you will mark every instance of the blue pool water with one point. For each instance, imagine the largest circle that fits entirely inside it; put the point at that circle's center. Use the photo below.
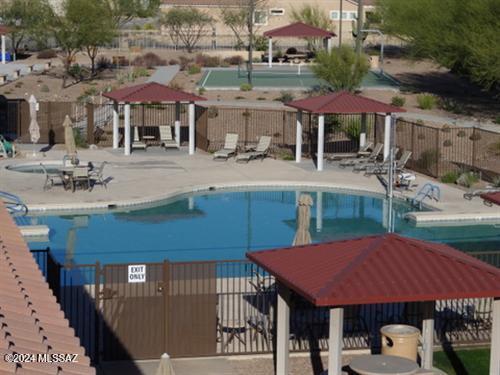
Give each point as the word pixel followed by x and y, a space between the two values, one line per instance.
pixel 225 225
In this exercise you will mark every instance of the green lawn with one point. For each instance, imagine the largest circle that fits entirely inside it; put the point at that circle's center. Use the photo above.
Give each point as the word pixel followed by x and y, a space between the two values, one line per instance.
pixel 464 362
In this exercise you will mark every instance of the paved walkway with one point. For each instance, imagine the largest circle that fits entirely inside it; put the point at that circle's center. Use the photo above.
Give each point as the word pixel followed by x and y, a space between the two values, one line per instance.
pixel 146 177
pixel 164 74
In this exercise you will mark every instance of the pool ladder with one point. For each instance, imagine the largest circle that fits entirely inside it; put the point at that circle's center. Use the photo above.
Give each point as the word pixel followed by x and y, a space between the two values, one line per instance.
pixel 430 191
pixel 14 204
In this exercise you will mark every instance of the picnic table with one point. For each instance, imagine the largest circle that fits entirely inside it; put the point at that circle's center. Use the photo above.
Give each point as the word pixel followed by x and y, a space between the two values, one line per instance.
pixel 75 176
pixel 383 365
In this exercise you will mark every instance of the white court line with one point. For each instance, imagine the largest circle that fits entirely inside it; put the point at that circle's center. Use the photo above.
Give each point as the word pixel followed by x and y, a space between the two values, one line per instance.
pixel 206 78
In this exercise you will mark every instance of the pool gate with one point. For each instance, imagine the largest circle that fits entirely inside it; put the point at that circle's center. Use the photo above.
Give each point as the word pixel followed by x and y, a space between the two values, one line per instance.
pixel 191 309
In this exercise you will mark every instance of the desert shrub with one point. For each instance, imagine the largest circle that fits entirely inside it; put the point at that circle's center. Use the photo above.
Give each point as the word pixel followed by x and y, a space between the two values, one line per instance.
pixel 176 86
pixel 261 98
pixel 496 182
pixel 103 63
pixel 461 134
pixel 234 60
pixel 398 101
pixel 291 51
pixel 140 72
pixel 201 90
pixel 446 128
pixel 75 71
pixel 19 84
pixel 246 87
pixel 44 88
pixel 194 69
pixel 428 160
pixel 239 97
pixel 149 60
pixel 426 101
pixel 184 62
pixel 213 112
pixel 353 128
pixel 80 140
pixel 285 97
pixel 47 54
pixel 450 105
pixel 497 120
pixel 467 179
pixel 261 43
pixel 173 62
pixel 475 137
pixel 450 177
pixel 494 148
pixel 447 143
pixel 208 61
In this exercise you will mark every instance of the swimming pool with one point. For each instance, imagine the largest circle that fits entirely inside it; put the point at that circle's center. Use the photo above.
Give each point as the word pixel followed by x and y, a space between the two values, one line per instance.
pixel 225 225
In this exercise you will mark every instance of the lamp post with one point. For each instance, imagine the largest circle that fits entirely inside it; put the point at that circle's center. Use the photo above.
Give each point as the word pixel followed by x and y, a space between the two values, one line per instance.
pixel 382 36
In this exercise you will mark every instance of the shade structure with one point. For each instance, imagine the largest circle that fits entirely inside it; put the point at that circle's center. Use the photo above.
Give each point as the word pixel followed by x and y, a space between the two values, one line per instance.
pixel 69 137
pixel 379 269
pixel 299 30
pixel 303 236
pixel 151 92
pixel 34 128
pixel 165 366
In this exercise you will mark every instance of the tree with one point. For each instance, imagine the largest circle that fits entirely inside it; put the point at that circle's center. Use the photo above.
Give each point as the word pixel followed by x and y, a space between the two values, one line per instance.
pixel 341 68
pixel 122 11
pixel 25 19
pixel 315 16
pixel 186 25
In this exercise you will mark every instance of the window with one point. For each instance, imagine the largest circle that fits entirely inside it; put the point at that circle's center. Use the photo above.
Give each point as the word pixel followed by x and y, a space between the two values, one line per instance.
pixel 346 16
pixel 277 11
pixel 260 17
pixel 334 15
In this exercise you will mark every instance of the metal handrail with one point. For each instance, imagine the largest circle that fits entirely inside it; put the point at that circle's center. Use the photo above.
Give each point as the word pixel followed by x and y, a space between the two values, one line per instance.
pixel 13 203
pixel 427 191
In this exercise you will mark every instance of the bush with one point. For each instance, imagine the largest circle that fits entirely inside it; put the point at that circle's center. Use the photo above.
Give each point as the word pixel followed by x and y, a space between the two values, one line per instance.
pixel 44 88
pixel 194 69
pixel 184 62
pixel 285 97
pixel 80 140
pixel 103 63
pixel 291 51
pixel 467 179
pixel 426 101
pixel 234 60
pixel 497 120
pixel 176 86
pixel 450 177
pixel 173 62
pixel 398 101
pixel 494 148
pixel 140 72
pixel 496 182
pixel 428 160
pixel 201 91
pixel 261 43
pixel 76 71
pixel 450 105
pixel 149 60
pixel 246 87
pixel 208 61
pixel 353 129
pixel 47 54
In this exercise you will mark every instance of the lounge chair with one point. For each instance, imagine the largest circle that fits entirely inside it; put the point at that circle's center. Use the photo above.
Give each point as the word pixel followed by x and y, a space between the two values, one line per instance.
pixel 229 149
pixel 383 168
pixel 96 176
pixel 166 138
pixel 138 144
pixel 371 158
pixel 261 151
pixel 479 192
pixel 50 178
pixel 369 164
pixel 362 152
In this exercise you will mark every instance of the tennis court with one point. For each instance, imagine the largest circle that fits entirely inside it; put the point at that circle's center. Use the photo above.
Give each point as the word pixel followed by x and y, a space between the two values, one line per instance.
pixel 279 78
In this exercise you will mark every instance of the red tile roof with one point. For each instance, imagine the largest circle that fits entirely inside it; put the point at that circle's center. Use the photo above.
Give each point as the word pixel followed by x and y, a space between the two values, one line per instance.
pixel 492 197
pixel 4 29
pixel 31 321
pixel 151 92
pixel 342 102
pixel 299 30
pixel 379 269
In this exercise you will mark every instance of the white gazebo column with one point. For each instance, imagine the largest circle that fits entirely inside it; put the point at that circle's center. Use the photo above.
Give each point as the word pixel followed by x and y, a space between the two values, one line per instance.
pixel 177 124
pixel 116 125
pixel 283 331
pixel 328 44
pixel 319 211
pixel 495 339
pixel 387 136
pixel 270 52
pixel 191 129
pixel 298 138
pixel 3 49
pixel 126 140
pixel 428 335
pixel 321 141
pixel 362 133
pixel 335 341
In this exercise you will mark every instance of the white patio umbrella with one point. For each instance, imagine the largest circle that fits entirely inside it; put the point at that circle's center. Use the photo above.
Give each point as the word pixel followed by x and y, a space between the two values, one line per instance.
pixel 303 236
pixel 165 367
pixel 69 137
pixel 34 129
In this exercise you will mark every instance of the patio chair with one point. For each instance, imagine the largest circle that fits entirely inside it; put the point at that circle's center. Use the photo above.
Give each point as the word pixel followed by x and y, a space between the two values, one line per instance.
pixel 261 151
pixel 96 176
pixel 371 158
pixel 166 138
pixel 137 144
pixel 368 164
pixel 362 152
pixel 383 168
pixel 479 192
pixel 50 178
pixel 80 177
pixel 229 149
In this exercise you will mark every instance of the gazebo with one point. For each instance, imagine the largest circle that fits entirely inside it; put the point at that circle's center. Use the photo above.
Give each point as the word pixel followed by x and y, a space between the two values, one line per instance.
pixel 377 269
pixel 3 30
pixel 151 92
pixel 341 102
pixel 297 30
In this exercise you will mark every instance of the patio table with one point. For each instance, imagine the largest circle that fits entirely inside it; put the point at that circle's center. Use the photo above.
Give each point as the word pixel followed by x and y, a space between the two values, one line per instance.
pixel 70 180
pixel 383 365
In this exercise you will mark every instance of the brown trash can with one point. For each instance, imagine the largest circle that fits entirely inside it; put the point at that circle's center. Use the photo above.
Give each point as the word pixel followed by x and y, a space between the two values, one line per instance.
pixel 400 340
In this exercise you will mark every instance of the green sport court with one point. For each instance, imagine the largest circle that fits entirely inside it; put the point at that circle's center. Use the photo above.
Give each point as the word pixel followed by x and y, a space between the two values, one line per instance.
pixel 281 77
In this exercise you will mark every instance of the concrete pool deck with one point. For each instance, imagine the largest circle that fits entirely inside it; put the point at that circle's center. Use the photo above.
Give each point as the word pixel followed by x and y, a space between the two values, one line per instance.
pixel 147 177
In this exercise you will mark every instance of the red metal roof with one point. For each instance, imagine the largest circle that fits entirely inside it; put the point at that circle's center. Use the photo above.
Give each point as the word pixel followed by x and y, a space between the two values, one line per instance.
pixel 379 269
pixel 151 92
pixel 492 197
pixel 31 320
pixel 4 29
pixel 342 102
pixel 299 30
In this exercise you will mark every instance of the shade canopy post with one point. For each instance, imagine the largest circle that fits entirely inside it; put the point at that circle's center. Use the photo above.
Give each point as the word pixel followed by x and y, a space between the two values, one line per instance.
pixel 177 124
pixel 428 335
pixel 387 136
pixel 191 129
pixel 321 141
pixel 3 49
pixel 126 141
pixel 298 138
pixel 116 125
pixel 495 339
pixel 328 43
pixel 319 211
pixel 335 341
pixel 283 331
pixel 362 133
pixel 270 52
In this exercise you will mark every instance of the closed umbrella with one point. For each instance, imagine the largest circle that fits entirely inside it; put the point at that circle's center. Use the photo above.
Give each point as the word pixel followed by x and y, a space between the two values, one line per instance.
pixel 34 129
pixel 165 367
pixel 303 236
pixel 69 137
